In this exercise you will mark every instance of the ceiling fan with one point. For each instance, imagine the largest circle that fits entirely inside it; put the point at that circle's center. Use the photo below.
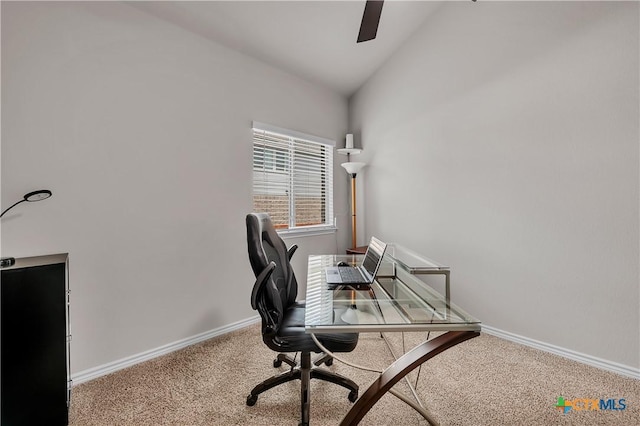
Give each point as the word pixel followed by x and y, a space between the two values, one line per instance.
pixel 370 20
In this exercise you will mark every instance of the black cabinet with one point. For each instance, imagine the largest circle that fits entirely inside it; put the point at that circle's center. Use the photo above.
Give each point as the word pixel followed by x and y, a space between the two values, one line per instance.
pixel 35 342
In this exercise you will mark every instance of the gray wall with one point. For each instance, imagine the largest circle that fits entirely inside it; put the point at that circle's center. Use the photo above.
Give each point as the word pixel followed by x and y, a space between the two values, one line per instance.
pixel 143 133
pixel 502 139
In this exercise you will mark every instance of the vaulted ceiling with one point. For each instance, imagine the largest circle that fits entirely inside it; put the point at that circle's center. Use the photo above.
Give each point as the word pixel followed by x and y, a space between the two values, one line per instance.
pixel 315 40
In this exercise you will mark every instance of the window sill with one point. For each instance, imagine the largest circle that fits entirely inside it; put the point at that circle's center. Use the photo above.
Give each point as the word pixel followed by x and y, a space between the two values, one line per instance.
pixel 306 232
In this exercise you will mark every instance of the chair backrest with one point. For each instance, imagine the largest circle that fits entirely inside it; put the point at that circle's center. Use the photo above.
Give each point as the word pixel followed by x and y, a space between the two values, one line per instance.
pixel 265 246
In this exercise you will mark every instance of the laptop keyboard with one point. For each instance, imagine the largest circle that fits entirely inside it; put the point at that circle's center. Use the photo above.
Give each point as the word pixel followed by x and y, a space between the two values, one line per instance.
pixel 350 275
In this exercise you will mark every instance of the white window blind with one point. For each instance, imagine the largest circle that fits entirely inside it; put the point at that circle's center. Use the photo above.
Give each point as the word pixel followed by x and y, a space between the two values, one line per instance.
pixel 292 178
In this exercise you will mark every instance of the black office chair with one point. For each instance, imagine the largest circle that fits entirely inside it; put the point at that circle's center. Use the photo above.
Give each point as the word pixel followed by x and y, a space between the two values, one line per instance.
pixel 274 297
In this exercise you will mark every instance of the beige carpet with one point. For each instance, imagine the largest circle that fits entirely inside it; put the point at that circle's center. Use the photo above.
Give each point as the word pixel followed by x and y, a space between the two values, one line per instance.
pixel 484 381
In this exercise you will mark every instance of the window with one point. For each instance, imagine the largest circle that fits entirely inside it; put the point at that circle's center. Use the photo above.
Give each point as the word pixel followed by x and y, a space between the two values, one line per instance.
pixel 293 178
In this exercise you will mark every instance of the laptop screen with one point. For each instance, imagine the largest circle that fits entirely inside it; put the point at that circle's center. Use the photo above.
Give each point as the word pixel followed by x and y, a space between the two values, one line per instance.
pixel 372 258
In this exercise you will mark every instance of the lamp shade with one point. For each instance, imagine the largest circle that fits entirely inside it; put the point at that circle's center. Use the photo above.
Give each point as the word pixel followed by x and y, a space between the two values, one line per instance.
pixel 39 195
pixel 353 167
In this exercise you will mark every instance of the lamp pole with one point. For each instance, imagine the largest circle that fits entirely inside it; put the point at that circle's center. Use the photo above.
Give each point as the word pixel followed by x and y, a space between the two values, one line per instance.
pixel 353 210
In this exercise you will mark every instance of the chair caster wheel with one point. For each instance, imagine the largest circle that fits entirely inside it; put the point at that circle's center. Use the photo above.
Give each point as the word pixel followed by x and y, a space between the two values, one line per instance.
pixel 277 363
pixel 353 396
pixel 329 362
pixel 251 400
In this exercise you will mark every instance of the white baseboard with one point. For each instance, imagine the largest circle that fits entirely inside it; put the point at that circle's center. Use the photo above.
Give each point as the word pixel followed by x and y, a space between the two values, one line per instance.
pixel 102 370
pixel 603 364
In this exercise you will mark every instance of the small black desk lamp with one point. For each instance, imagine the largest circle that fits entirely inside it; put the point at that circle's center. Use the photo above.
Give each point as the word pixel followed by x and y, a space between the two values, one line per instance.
pixel 41 194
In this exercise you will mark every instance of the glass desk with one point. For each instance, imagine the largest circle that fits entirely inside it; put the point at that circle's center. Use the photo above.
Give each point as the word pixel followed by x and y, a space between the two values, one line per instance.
pixel 397 301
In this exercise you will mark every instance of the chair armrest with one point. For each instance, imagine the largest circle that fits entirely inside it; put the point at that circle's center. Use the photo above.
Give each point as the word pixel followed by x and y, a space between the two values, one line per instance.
pixel 261 280
pixel 292 250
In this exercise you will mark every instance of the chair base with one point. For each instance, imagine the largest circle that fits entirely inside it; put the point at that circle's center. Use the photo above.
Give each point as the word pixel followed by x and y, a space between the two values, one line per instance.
pixel 322 359
pixel 305 371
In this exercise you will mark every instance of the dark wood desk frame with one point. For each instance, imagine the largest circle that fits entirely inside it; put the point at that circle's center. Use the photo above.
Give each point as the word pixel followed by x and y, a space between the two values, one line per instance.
pixel 399 369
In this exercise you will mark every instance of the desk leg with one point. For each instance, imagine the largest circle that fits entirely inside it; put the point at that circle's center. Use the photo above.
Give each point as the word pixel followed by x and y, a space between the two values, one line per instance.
pixel 447 287
pixel 403 366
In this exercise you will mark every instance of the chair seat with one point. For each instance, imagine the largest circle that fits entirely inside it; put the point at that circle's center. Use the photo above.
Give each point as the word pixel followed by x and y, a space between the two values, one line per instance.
pixel 292 332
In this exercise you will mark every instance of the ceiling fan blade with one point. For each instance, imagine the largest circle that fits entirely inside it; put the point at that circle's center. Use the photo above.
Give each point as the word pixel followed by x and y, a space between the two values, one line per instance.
pixel 370 20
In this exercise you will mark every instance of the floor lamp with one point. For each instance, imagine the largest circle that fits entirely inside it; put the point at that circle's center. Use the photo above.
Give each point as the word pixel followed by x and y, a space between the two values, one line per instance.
pixel 352 168
pixel 352 315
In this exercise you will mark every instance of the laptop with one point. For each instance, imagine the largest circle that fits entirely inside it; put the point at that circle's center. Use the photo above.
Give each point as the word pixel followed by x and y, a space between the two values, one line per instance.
pixel 361 274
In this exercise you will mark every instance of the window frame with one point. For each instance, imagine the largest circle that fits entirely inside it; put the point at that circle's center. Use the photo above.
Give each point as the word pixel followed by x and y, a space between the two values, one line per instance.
pixel 288 169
